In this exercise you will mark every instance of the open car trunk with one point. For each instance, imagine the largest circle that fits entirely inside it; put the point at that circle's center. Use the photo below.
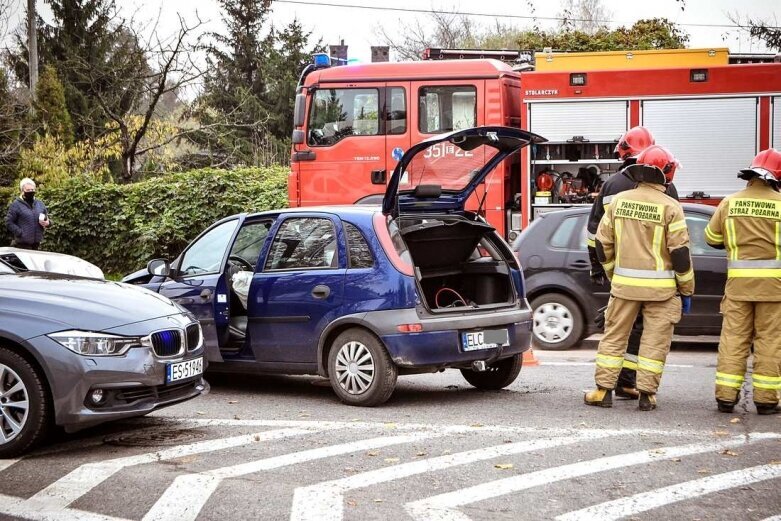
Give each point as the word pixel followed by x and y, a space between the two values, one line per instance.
pixel 459 263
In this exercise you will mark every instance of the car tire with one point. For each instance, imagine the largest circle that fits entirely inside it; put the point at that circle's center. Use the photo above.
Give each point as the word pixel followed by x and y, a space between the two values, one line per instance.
pixel 22 428
pixel 497 376
pixel 360 369
pixel 557 322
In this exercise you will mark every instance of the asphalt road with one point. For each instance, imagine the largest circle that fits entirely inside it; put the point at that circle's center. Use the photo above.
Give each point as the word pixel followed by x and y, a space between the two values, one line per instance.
pixel 285 448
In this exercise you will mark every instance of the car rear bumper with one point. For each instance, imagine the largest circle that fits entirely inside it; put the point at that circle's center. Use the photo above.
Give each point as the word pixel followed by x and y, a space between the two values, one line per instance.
pixel 438 345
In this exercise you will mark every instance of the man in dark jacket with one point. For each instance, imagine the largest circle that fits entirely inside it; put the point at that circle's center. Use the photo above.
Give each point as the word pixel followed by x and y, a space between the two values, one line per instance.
pixel 634 141
pixel 27 217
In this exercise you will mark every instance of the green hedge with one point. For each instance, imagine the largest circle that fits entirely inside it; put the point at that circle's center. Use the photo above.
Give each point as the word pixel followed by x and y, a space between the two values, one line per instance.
pixel 121 227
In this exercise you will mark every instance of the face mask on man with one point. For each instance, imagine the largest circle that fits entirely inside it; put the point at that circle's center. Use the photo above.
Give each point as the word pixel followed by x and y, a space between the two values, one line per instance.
pixel 29 196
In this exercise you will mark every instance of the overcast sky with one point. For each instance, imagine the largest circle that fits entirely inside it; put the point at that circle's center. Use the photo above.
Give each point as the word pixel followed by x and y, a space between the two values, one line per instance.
pixel 358 27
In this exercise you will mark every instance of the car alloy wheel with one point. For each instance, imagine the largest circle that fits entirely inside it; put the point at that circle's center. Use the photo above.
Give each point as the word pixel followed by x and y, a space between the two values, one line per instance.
pixel 14 404
pixel 360 369
pixel 553 322
pixel 354 367
pixel 557 322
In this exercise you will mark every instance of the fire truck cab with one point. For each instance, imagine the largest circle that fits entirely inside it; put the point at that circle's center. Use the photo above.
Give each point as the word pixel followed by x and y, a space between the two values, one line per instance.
pixel 354 122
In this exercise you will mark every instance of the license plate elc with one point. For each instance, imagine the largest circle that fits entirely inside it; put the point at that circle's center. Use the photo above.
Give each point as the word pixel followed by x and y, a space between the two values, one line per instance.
pixel 488 339
pixel 183 370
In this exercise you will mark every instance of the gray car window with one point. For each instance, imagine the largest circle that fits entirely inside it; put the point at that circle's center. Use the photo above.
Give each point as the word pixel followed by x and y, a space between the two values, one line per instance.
pixel 697 224
pixel 205 254
pixel 302 243
pixel 561 237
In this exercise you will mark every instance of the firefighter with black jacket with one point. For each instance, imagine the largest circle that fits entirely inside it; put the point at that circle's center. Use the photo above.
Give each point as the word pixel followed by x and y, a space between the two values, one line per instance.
pixel 634 141
pixel 748 225
pixel 643 244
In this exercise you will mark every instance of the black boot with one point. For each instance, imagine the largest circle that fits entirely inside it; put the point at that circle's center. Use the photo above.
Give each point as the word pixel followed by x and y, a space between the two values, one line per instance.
pixel 767 408
pixel 727 407
pixel 647 402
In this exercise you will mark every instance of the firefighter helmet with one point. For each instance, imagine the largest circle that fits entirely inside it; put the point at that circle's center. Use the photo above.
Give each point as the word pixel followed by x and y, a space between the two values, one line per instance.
pixel 766 165
pixel 652 162
pixel 634 141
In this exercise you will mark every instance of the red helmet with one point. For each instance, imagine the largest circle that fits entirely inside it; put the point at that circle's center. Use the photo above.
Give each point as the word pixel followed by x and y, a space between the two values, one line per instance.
pixel 766 165
pixel 634 141
pixel 661 158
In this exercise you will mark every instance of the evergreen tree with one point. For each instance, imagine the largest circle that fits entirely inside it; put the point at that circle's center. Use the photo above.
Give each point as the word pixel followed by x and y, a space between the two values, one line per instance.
pixel 287 56
pixel 51 113
pixel 246 109
pixel 95 56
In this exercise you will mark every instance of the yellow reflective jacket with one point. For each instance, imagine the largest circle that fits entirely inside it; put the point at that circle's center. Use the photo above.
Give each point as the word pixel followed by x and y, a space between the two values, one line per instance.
pixel 748 225
pixel 637 234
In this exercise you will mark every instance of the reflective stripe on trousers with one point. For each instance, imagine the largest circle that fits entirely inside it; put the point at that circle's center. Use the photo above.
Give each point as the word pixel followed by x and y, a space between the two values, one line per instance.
pixel 650 365
pixel 729 380
pixel 772 383
pixel 630 362
pixel 610 362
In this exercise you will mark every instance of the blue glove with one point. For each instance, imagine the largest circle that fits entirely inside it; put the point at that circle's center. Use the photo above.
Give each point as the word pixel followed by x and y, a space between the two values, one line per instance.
pixel 686 304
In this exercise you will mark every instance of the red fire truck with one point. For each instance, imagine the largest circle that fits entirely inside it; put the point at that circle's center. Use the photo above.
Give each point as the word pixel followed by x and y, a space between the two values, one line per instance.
pixel 353 123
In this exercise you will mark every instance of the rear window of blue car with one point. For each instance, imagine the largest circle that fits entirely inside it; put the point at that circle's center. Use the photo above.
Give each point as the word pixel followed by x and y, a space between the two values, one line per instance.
pixel 357 248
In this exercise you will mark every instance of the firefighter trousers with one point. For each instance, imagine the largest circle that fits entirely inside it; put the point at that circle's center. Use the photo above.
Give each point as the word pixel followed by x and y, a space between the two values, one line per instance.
pixel 746 323
pixel 659 319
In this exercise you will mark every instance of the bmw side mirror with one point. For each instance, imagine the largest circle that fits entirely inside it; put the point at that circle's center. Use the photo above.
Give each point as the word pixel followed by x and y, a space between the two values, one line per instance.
pixel 159 267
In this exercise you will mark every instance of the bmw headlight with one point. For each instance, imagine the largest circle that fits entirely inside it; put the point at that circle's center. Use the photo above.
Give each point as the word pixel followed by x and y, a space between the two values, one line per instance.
pixel 94 344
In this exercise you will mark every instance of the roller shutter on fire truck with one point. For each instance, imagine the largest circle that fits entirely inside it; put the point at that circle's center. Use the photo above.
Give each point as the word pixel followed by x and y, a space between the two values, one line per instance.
pixel 594 121
pixel 777 122
pixel 712 138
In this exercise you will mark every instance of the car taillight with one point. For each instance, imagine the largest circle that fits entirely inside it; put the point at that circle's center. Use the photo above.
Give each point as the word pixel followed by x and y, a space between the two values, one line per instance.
pixel 381 229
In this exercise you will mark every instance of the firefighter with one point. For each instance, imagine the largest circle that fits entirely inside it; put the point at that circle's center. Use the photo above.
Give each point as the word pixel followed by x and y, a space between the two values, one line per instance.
pixel 748 225
pixel 643 245
pixel 634 141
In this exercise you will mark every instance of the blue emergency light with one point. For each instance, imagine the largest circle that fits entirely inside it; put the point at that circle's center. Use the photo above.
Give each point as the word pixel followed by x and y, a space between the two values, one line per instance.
pixel 322 60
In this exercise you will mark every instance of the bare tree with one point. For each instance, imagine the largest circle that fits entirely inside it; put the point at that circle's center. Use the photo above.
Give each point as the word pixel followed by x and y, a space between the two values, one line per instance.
pixel 588 16
pixel 149 72
pixel 766 31
pixel 445 30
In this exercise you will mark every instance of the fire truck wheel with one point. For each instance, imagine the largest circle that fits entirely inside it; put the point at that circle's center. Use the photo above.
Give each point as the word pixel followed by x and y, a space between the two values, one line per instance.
pixel 557 322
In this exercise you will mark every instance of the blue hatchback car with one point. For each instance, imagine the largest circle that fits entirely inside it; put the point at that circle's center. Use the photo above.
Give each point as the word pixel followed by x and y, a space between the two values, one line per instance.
pixel 362 294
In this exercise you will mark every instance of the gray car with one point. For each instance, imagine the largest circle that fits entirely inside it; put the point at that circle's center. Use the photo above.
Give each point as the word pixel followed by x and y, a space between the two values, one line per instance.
pixel 76 352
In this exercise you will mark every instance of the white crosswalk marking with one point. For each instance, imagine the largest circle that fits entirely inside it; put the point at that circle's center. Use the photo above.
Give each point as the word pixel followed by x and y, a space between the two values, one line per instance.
pixel 443 507
pixel 185 498
pixel 324 501
pixel 5 463
pixel 19 508
pixel 188 496
pixel 628 506
pixel 65 491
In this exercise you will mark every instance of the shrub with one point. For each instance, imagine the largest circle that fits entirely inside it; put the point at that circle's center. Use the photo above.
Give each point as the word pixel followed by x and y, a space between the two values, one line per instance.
pixel 121 227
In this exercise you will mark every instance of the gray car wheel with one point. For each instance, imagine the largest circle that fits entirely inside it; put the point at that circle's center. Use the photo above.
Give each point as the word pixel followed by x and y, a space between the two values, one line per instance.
pixel 24 410
pixel 558 323
pixel 360 369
